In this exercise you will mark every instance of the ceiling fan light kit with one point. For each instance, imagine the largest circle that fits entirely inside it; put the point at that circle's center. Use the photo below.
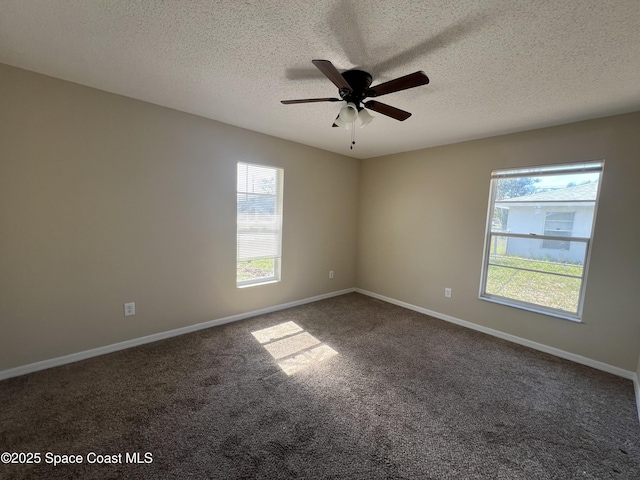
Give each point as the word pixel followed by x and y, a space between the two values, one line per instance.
pixel 354 87
pixel 339 123
pixel 349 113
pixel 365 117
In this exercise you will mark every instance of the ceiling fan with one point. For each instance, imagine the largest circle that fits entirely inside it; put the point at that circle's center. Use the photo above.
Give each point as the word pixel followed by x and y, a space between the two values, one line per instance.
pixel 354 87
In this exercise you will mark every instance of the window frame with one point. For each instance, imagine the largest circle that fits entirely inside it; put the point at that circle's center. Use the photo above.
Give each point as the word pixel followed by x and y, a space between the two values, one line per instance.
pixel 524 172
pixel 279 202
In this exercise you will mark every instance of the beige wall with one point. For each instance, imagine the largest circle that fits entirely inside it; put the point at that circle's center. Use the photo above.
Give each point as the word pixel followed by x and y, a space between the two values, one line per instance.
pixel 106 200
pixel 422 219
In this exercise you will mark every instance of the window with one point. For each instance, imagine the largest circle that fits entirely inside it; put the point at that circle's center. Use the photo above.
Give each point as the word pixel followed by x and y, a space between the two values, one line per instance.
pixel 259 224
pixel 538 237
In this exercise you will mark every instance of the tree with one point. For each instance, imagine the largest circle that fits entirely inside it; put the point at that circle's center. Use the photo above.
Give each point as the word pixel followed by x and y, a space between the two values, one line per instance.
pixel 511 188
pixel 584 182
pixel 515 187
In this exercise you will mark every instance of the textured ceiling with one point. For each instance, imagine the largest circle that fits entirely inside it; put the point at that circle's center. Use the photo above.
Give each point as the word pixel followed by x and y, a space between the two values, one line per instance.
pixel 496 66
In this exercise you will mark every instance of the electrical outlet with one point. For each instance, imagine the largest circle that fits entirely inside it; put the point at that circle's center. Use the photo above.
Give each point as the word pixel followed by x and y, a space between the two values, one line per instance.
pixel 129 309
pixel 447 292
pixel 331 274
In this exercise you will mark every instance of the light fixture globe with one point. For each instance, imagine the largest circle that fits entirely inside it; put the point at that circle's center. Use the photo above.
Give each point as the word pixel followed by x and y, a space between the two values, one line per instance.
pixel 364 117
pixel 349 113
pixel 340 123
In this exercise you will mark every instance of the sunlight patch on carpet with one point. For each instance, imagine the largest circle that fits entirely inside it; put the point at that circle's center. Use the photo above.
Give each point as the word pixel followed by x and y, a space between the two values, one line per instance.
pixel 293 347
pixel 277 331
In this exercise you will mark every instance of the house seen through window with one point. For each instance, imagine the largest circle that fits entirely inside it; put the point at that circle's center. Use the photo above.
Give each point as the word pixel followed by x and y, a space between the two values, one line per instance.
pixel 259 224
pixel 558 224
pixel 538 237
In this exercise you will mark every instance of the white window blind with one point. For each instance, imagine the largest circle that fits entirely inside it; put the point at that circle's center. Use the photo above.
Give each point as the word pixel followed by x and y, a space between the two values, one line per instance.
pixel 259 223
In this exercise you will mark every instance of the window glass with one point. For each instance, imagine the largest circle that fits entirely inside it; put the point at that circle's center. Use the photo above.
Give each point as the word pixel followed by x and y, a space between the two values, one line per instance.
pixel 539 236
pixel 259 224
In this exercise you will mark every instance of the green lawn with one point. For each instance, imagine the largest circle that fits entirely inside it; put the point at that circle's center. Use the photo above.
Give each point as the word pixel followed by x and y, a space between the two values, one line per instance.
pixel 538 287
pixel 255 269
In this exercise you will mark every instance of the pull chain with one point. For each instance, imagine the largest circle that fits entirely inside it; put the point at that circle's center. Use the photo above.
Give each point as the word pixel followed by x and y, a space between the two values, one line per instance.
pixel 353 135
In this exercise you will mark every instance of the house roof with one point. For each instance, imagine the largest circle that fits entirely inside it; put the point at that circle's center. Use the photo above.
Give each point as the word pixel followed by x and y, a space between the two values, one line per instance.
pixel 586 192
pixel 495 66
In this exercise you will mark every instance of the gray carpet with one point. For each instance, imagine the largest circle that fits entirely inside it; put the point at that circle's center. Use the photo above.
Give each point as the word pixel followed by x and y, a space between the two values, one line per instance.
pixel 374 391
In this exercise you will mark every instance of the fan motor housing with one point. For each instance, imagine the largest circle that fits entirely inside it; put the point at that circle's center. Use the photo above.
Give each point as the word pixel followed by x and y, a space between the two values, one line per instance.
pixel 359 81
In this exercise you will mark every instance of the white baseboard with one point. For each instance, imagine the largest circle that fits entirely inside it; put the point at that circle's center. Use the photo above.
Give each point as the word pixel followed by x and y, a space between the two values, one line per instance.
pixel 75 357
pixel 511 338
pixel 636 384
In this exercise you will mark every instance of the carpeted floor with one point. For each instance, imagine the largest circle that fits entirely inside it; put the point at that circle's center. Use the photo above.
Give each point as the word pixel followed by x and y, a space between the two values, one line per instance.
pixel 345 388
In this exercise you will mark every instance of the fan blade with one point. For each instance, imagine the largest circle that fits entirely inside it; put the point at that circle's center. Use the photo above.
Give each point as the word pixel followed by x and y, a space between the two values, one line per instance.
pixel 310 100
pixel 387 110
pixel 403 83
pixel 332 73
pixel 344 24
pixel 444 39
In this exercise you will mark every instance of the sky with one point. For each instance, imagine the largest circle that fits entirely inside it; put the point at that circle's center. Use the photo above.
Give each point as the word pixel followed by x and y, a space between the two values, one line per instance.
pixel 561 181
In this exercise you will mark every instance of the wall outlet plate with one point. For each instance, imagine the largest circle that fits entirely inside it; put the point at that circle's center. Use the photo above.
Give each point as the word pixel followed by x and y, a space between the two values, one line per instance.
pixel 129 309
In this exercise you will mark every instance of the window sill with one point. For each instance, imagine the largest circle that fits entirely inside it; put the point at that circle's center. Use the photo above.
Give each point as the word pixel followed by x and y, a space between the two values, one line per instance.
pixel 257 283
